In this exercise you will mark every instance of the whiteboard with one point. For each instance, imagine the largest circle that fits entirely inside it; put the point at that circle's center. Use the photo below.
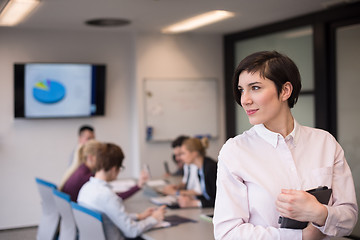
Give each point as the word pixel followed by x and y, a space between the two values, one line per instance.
pixel 176 107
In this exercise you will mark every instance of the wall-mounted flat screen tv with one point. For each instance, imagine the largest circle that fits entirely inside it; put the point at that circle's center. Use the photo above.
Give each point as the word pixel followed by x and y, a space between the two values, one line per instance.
pixel 59 90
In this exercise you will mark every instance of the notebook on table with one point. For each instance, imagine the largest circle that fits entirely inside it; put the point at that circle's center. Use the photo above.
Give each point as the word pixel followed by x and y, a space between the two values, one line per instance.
pixel 173 220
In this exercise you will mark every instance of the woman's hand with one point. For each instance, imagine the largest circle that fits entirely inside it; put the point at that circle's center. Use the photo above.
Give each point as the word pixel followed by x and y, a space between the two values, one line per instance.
pixel 144 177
pixel 312 233
pixel 301 206
pixel 159 213
pixel 146 213
pixel 188 192
pixel 170 189
pixel 187 201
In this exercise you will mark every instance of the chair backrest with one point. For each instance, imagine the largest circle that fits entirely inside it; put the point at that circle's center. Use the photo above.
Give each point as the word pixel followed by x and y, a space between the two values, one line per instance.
pixel 50 217
pixel 68 229
pixel 89 223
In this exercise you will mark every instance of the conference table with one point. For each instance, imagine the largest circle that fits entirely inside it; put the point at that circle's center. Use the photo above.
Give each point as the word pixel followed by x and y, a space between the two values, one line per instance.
pixel 202 228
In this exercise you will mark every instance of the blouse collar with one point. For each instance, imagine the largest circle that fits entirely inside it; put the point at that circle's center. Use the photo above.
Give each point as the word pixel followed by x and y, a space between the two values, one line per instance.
pixel 273 137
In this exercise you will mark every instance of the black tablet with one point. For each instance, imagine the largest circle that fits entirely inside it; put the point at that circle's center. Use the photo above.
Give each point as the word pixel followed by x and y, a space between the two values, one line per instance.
pixel 322 194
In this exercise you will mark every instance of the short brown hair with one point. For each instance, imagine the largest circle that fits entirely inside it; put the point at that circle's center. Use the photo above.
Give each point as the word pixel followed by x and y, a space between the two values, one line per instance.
pixel 109 156
pixel 271 65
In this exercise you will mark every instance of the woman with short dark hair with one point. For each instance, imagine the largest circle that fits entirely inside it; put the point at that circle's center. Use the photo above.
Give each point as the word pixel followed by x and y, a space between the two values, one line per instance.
pixel 264 172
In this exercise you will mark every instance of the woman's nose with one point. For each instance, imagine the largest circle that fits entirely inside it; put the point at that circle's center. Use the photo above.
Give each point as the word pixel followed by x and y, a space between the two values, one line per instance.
pixel 245 98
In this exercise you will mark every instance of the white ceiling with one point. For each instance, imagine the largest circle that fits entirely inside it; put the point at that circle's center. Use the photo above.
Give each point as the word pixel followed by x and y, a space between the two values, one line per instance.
pixel 153 15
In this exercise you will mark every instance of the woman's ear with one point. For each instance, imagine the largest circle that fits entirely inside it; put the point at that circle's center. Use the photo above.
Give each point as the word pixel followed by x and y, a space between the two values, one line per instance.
pixel 114 172
pixel 286 91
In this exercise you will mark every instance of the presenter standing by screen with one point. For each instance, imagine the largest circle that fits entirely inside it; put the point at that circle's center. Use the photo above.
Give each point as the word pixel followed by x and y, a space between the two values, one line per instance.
pixel 264 172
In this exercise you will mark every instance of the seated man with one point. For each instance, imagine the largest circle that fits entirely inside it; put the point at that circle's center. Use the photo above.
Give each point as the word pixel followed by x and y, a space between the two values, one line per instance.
pixel 97 194
pixel 85 133
pixel 176 144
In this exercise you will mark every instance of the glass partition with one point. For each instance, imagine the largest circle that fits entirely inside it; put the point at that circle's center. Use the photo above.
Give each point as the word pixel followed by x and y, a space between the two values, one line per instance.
pixel 348 98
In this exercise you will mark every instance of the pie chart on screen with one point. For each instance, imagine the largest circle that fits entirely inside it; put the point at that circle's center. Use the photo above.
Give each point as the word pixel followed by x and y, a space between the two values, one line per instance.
pixel 48 91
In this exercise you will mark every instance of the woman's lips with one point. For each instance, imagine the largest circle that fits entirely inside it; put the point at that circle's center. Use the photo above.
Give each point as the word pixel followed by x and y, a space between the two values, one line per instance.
pixel 251 112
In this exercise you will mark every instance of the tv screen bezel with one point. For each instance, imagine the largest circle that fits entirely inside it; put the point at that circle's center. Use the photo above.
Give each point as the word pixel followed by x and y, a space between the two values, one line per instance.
pixel 19 90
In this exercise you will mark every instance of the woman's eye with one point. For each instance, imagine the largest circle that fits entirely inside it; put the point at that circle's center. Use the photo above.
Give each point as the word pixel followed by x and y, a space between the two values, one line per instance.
pixel 255 88
pixel 241 90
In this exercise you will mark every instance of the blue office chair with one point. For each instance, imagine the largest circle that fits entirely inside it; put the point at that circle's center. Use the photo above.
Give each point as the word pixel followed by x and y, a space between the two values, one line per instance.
pixel 50 217
pixel 68 229
pixel 89 223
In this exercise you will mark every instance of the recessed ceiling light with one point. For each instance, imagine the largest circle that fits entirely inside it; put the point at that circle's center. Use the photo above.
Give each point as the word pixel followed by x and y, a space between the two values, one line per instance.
pixel 16 10
pixel 198 21
pixel 108 22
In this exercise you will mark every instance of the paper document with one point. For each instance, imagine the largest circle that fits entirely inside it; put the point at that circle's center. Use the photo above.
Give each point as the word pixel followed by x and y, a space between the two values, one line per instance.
pixel 122 185
pixel 166 200
pixel 162 224
pixel 156 183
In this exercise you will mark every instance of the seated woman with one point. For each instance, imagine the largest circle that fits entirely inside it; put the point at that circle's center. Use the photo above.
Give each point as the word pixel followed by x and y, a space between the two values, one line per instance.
pixel 88 156
pixel 97 194
pixel 190 184
pixel 193 152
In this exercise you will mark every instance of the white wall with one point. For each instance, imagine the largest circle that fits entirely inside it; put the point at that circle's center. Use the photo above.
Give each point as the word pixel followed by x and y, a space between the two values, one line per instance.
pixel 41 148
pixel 169 57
